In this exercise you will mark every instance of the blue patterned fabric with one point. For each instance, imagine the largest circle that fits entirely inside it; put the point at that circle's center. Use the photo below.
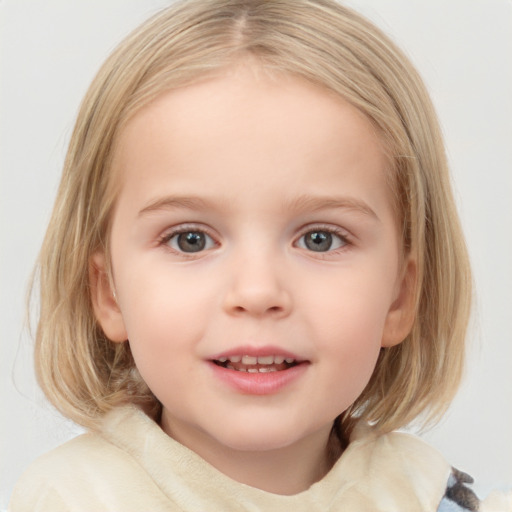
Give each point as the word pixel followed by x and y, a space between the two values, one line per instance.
pixel 458 496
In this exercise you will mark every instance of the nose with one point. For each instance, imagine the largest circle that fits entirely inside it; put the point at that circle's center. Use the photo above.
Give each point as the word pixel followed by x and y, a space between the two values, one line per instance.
pixel 258 287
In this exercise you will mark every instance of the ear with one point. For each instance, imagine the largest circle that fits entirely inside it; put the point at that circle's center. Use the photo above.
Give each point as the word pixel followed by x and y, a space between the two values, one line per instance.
pixel 104 303
pixel 402 313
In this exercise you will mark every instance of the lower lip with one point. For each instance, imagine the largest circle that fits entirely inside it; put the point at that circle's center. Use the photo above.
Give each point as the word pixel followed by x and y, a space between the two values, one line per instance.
pixel 259 383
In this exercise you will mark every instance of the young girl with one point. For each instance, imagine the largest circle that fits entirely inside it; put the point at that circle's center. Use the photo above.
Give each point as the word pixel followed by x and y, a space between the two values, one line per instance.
pixel 253 275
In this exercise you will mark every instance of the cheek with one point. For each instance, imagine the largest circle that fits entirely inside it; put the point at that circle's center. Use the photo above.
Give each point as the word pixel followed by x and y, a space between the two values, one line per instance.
pixel 348 324
pixel 351 337
pixel 163 333
pixel 353 342
pixel 165 315
pixel 352 306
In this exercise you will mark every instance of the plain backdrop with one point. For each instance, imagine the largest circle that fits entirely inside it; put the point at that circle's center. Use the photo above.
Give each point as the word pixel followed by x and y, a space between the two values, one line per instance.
pixel 49 52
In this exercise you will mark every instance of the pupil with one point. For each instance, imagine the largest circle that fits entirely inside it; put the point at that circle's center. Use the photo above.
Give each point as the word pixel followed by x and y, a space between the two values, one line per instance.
pixel 191 242
pixel 318 241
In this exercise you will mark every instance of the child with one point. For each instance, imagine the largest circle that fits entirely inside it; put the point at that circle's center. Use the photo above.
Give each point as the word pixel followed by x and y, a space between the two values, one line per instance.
pixel 254 273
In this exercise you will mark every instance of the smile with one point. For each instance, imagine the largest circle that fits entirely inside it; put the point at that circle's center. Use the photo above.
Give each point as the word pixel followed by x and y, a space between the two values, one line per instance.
pixel 256 364
pixel 263 370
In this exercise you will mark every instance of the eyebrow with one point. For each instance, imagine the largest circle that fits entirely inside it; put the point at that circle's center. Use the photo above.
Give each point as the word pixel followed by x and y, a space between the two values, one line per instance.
pixel 317 203
pixel 176 202
pixel 301 203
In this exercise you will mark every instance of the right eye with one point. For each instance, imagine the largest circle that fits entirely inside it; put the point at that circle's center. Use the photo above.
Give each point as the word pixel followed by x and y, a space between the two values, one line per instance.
pixel 189 241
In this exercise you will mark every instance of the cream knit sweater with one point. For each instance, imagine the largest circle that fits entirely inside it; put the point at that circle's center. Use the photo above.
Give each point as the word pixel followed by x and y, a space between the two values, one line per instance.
pixel 133 466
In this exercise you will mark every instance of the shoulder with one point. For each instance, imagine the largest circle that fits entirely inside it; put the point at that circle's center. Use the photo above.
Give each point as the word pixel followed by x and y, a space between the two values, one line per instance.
pixel 78 453
pixel 394 471
pixel 86 473
pixel 397 455
pixel 403 463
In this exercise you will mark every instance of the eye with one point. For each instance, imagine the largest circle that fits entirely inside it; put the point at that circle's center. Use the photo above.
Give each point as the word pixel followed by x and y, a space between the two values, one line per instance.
pixel 189 241
pixel 321 240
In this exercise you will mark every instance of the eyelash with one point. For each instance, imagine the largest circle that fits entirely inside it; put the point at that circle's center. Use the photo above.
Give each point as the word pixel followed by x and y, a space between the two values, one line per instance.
pixel 342 234
pixel 344 237
pixel 182 229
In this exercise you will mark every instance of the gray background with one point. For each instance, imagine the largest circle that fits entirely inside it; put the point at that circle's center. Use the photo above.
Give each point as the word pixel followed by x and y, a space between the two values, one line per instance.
pixel 49 52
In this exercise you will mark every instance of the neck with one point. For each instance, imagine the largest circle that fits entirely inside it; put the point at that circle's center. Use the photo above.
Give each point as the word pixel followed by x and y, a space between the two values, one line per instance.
pixel 288 470
pixel 285 471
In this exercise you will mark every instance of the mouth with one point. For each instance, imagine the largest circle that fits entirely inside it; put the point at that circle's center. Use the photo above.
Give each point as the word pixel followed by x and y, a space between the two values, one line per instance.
pixel 256 364
pixel 258 371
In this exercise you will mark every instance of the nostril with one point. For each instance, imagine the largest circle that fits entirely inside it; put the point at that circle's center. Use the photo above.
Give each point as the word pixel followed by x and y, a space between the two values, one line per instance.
pixel 257 300
pixel 271 309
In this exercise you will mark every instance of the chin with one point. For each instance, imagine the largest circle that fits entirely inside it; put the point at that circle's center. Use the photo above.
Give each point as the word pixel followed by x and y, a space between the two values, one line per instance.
pixel 257 438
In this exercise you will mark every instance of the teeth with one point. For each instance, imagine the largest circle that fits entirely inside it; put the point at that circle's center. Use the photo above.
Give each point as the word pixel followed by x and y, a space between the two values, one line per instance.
pixel 230 367
pixel 253 370
pixel 252 360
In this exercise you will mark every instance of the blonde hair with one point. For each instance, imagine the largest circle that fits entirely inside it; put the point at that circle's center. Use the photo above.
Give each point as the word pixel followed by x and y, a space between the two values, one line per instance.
pixel 84 374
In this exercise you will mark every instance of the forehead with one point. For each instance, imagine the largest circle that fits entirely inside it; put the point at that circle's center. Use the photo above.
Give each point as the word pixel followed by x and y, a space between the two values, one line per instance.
pixel 246 122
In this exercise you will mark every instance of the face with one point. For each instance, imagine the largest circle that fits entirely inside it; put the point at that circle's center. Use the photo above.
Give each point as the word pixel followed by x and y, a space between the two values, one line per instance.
pixel 255 257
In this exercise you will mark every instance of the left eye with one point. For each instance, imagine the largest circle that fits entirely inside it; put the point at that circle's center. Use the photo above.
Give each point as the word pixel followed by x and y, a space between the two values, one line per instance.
pixel 321 240
pixel 190 241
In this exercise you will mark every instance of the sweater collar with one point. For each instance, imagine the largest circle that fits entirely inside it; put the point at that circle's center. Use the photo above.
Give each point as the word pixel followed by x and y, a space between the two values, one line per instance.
pixel 385 472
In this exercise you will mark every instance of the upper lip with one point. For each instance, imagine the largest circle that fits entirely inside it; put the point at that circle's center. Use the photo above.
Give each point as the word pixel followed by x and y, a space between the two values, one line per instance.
pixel 253 351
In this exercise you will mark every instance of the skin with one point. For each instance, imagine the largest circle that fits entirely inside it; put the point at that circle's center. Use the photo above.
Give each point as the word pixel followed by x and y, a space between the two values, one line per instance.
pixel 257 162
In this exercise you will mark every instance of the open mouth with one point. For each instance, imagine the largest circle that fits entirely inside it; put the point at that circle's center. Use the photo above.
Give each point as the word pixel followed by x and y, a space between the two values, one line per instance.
pixel 253 364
